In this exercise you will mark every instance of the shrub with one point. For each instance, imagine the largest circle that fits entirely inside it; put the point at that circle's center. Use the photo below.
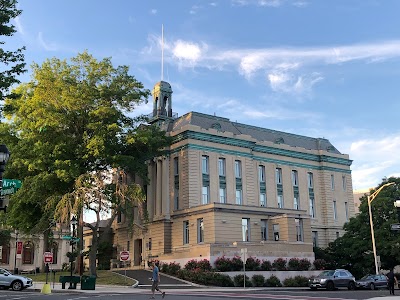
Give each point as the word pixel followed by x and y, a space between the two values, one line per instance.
pixel 205 277
pixel 238 280
pixel 223 264
pixel 258 280
pixel 222 280
pixel 164 268
pixel 319 264
pixel 297 281
pixel 204 265
pixel 236 263
pixel 252 264
pixel 273 281
pixel 266 265
pixel 294 264
pixel 305 264
pixel 173 268
pixel 279 264
pixel 191 264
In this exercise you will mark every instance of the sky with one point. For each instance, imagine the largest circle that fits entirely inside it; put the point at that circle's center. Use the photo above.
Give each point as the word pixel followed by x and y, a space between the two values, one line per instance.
pixel 316 68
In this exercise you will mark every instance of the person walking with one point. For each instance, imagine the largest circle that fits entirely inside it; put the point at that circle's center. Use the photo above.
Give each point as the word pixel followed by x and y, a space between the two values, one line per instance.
pixel 391 281
pixel 156 280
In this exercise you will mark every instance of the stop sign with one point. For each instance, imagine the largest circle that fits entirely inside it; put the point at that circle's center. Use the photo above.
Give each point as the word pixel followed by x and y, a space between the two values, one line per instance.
pixel 124 255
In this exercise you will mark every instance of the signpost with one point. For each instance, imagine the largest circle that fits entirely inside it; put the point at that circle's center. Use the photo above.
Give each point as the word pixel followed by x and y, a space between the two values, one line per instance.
pixel 244 258
pixel 124 256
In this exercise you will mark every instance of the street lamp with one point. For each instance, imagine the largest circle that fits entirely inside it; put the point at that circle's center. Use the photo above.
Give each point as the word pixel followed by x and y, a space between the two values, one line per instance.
pixel 4 156
pixel 73 223
pixel 370 199
pixel 16 250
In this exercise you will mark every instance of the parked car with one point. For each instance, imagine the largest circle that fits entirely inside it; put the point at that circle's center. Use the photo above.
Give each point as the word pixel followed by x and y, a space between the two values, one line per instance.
pixel 332 279
pixel 16 282
pixel 372 282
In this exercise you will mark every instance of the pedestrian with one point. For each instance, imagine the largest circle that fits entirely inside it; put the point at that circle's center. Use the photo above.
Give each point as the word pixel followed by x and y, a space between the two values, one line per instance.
pixel 156 280
pixel 391 281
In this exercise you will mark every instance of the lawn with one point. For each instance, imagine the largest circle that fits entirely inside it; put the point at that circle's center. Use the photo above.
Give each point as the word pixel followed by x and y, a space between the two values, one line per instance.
pixel 103 277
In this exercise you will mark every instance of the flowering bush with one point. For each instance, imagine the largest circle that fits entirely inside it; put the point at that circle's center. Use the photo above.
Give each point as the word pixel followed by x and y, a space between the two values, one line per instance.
pixel 173 268
pixel 319 264
pixel 304 265
pixel 202 265
pixel 252 264
pixel 223 264
pixel 294 264
pixel 266 265
pixel 206 277
pixel 237 263
pixel 279 264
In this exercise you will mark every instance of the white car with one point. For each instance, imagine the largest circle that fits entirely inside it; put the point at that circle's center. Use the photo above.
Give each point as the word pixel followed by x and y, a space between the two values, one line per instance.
pixel 16 282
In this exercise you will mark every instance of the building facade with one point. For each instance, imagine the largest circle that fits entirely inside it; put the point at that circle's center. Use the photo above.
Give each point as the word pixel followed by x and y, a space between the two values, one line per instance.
pixel 226 186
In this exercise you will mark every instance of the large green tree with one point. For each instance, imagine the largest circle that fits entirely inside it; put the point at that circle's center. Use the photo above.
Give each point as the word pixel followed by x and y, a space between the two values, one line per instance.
pixel 71 121
pixel 354 249
pixel 11 62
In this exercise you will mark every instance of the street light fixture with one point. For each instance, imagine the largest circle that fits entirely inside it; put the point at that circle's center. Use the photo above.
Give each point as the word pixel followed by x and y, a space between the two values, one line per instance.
pixel 74 222
pixel 4 156
pixel 370 199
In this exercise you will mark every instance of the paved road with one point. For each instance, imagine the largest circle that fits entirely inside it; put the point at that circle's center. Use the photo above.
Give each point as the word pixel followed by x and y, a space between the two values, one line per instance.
pixel 205 294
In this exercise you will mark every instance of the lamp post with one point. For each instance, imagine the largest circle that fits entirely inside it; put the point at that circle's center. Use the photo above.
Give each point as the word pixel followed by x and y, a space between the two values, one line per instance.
pixel 16 249
pixel 4 156
pixel 370 199
pixel 73 223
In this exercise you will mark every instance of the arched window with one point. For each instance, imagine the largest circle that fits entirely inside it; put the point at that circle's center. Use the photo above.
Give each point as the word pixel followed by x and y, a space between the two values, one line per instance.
pixel 5 254
pixel 54 250
pixel 28 253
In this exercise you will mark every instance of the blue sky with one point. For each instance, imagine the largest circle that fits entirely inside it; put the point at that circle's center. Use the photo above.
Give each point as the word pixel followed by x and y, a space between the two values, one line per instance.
pixel 310 67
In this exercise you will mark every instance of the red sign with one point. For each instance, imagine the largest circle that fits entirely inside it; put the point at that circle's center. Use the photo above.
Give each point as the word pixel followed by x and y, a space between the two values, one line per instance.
pixel 48 257
pixel 124 255
pixel 19 249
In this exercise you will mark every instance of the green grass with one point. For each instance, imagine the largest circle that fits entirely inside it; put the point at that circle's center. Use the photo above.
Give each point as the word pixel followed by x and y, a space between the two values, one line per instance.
pixel 103 277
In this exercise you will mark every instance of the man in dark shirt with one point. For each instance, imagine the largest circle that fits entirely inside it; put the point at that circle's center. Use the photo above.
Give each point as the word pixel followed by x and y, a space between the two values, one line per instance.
pixel 391 280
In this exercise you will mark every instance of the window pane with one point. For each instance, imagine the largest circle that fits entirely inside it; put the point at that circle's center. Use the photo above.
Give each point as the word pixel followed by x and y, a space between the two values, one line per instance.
pixel 238 169
pixel 204 164
pixel 205 199
pixel 295 179
pixel 239 197
pixel 245 230
pixel 278 175
pixel 221 167
pixel 261 173
pixel 263 199
pixel 310 180
pixel 280 201
pixel 200 230
pixel 222 195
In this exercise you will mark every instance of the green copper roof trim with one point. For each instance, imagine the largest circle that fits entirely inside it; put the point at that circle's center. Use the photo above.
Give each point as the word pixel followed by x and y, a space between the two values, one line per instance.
pixel 259 148
pixel 259 158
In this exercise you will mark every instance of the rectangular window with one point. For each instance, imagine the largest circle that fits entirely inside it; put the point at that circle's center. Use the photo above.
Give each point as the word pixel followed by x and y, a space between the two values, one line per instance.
pixel 314 235
pixel 200 230
pixel 185 232
pixel 332 182
pixel 296 202
pixel 238 197
pixel 176 166
pixel 346 210
pixel 344 183
pixel 261 173
pixel 221 166
pixel 295 178
pixel 264 230
pixel 275 228
pixel 278 175
pixel 299 230
pixel 150 245
pixel 312 207
pixel 310 180
pixel 280 201
pixel 204 164
pixel 245 230
pixel 222 195
pixel 238 169
pixel 128 245
pixel 176 198
pixel 205 195
pixel 334 210
pixel 263 199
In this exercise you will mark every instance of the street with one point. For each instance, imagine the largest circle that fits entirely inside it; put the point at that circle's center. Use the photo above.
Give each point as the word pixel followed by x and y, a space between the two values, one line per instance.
pixel 203 295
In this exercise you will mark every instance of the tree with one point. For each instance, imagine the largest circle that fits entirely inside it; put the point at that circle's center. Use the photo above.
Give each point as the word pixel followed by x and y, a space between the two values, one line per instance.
pixel 69 124
pixel 12 61
pixel 354 249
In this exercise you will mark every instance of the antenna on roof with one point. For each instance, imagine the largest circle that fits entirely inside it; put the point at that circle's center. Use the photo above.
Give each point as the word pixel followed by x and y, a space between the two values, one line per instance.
pixel 162 52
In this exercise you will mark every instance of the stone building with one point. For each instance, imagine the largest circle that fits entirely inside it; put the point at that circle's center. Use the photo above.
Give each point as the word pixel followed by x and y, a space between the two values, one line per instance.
pixel 226 186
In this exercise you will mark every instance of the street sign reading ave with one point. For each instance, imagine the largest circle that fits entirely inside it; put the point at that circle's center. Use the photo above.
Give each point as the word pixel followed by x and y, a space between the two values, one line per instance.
pixel 395 227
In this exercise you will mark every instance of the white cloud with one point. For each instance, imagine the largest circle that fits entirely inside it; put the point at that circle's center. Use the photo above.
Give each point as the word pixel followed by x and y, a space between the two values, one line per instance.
pixel 45 45
pixel 272 3
pixel 19 26
pixel 213 4
pixel 153 11
pixel 292 84
pixel 187 51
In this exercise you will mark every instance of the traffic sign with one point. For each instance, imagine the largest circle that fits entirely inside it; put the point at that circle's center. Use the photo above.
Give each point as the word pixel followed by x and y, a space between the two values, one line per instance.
pixel 395 227
pixel 124 255
pixel 67 237
pixel 48 257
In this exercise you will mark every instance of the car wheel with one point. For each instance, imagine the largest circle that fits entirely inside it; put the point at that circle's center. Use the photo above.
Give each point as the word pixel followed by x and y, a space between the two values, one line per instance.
pixel 351 286
pixel 17 285
pixel 330 286
pixel 372 286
